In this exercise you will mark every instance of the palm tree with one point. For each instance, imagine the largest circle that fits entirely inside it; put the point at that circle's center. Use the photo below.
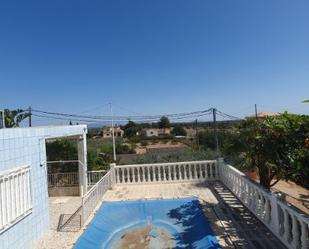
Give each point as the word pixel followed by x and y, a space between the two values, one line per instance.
pixel 14 117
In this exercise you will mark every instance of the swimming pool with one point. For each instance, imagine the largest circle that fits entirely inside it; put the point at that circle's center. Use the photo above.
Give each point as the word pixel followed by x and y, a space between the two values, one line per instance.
pixel 153 224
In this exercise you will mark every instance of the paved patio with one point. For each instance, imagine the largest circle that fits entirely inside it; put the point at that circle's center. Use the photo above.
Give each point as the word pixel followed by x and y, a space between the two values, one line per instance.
pixel 234 225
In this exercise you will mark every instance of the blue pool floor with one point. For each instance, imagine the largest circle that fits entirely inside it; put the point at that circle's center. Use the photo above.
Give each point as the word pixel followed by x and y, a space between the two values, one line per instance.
pixel 153 224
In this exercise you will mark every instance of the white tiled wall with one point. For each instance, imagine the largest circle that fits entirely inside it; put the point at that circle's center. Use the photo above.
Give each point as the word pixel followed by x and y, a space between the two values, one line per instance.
pixel 26 146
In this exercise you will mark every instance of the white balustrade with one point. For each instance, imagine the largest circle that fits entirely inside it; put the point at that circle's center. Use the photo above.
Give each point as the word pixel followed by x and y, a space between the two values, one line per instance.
pixel 287 223
pixel 15 196
pixel 94 176
pixel 72 178
pixel 290 226
pixel 94 196
pixel 166 172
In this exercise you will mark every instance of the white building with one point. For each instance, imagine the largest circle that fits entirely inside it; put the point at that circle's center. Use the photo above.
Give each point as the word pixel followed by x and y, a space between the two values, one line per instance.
pixel 155 132
pixel 23 181
pixel 108 132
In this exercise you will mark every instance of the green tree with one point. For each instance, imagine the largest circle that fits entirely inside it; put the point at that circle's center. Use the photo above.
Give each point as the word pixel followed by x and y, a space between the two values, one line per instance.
pixel 164 123
pixel 179 131
pixel 13 118
pixel 276 147
pixel 131 129
pixel 61 150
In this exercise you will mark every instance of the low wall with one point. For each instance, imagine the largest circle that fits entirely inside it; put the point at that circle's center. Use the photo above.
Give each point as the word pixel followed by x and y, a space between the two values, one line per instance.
pixel 63 191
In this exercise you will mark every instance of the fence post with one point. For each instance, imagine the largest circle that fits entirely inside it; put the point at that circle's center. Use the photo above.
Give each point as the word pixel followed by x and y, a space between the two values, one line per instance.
pixel 220 165
pixel 275 223
pixel 113 172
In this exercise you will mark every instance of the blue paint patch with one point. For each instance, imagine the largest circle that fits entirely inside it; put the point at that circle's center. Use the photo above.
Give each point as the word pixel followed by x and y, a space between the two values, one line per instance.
pixel 183 219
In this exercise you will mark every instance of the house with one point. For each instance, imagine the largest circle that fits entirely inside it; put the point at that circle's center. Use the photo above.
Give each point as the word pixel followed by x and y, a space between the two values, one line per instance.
pixel 263 115
pixel 155 132
pixel 24 216
pixel 108 132
pixel 192 132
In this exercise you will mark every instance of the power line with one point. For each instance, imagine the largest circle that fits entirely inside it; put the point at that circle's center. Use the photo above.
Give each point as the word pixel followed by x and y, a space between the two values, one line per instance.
pixel 138 118
pixel 125 118
pixel 222 114
pixel 66 119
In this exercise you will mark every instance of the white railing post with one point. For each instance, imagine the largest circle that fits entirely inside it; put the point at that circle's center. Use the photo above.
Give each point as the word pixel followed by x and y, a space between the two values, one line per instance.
pixel 304 235
pixel 113 172
pixel 220 165
pixel 274 212
pixel 295 232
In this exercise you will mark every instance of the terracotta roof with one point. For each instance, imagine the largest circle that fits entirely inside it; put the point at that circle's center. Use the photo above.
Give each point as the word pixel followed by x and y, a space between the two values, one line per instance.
pixel 264 114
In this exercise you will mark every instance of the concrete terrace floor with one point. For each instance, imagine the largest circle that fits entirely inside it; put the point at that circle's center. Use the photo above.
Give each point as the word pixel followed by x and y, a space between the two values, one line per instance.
pixel 234 225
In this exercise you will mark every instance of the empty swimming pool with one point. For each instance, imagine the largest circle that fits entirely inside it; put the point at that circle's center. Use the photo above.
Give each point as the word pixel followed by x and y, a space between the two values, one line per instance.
pixel 153 224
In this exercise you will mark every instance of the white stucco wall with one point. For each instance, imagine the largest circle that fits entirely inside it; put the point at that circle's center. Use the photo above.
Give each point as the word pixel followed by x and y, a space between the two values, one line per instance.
pixel 26 146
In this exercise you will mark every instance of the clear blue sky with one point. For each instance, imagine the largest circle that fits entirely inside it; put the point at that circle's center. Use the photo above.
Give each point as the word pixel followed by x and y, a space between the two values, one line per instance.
pixel 154 57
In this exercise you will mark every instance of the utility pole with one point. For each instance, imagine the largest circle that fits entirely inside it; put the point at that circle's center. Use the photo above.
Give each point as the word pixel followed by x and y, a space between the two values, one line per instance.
pixel 30 114
pixel 113 133
pixel 214 110
pixel 2 119
pixel 256 113
pixel 196 135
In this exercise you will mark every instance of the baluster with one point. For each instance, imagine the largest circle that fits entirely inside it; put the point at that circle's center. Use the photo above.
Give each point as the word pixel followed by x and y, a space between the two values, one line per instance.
pixel 201 172
pixel 257 202
pixel 122 175
pixel 148 174
pixel 178 173
pixel 186 172
pixel 244 193
pixel 295 232
pixel 286 224
pixel 195 171
pixel 304 236
pixel 138 174
pixel 216 174
pixel 117 175
pixel 164 172
pixel 253 199
pixel 131 172
pixel 154 174
pixel 250 197
pixel 169 172
pixel 190 171
pixel 184 175
pixel 267 211
pixel 174 173
pixel 143 172
pixel 262 206
pixel 159 173
pixel 210 171
pixel 211 174
pixel 129 175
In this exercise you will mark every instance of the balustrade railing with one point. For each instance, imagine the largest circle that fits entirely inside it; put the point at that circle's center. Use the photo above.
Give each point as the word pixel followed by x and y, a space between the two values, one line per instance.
pixel 70 179
pixel 287 223
pixel 63 179
pixel 166 172
pixel 95 194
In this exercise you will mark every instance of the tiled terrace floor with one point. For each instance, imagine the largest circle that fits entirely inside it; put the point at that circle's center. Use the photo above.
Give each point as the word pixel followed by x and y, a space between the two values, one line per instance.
pixel 233 224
